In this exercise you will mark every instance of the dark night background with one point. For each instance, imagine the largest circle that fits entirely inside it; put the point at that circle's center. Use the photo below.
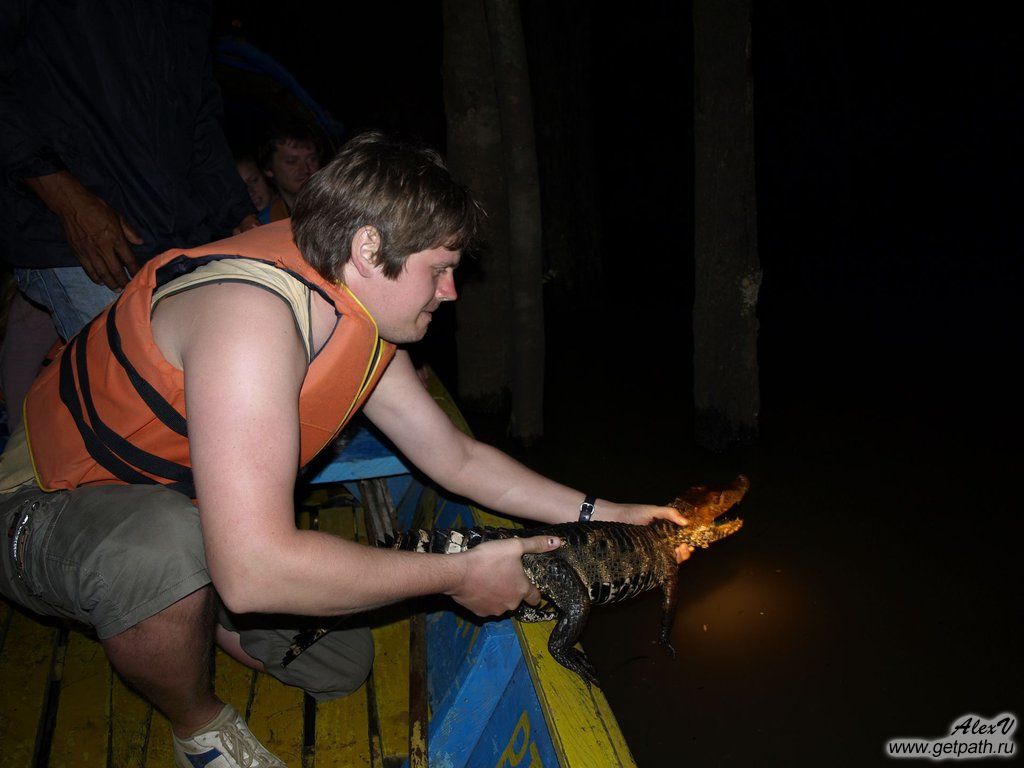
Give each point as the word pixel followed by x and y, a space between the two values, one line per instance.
pixel 875 591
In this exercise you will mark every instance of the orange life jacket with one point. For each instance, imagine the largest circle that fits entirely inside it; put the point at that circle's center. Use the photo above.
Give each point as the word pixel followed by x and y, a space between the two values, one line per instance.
pixel 111 409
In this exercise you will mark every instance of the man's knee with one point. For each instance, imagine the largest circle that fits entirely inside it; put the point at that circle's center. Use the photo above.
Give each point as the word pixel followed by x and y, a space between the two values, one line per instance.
pixel 333 666
pixel 340 666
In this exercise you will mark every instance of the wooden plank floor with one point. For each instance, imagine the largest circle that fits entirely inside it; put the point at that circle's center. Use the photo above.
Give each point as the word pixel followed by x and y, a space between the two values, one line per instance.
pixel 61 704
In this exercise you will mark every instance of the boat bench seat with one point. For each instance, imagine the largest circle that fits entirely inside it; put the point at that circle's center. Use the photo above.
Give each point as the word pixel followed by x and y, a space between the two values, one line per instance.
pixel 61 704
pixel 496 697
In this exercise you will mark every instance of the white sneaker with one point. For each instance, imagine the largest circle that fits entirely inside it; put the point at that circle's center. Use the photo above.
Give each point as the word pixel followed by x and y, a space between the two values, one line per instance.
pixel 224 742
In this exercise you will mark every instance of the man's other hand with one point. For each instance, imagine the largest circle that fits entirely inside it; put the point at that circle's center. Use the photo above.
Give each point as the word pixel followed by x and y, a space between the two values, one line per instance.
pixel 493 580
pixel 644 514
pixel 99 236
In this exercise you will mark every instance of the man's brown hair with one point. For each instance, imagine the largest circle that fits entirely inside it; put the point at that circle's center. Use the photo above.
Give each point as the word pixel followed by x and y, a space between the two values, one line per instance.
pixel 403 191
pixel 282 133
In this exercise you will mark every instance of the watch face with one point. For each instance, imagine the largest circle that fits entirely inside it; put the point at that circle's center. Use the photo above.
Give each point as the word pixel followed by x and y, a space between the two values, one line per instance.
pixel 587 509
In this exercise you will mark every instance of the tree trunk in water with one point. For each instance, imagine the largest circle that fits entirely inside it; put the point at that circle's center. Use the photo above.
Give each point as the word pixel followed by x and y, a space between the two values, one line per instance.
pixel 475 158
pixel 559 42
pixel 727 271
pixel 512 83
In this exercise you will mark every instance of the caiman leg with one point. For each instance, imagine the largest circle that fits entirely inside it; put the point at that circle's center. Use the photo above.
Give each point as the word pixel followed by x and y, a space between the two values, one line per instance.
pixel 670 598
pixel 574 604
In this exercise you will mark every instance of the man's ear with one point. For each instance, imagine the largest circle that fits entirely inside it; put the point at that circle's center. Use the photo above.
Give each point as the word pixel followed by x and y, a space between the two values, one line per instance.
pixel 365 249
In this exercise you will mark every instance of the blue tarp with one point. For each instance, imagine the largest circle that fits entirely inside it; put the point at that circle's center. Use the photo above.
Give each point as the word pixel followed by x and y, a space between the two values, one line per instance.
pixel 257 88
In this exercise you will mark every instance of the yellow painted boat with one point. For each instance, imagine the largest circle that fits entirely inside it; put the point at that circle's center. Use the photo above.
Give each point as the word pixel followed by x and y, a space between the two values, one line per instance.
pixel 445 690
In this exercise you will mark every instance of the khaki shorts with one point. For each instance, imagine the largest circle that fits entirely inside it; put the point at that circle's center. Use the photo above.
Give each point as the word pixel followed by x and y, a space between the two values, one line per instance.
pixel 108 557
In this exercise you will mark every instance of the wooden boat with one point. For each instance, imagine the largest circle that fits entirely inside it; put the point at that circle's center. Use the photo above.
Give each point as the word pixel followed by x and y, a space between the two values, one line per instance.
pixel 446 690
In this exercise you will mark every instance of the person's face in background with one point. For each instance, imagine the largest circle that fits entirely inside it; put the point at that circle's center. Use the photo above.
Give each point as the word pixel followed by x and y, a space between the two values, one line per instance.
pixel 256 183
pixel 292 164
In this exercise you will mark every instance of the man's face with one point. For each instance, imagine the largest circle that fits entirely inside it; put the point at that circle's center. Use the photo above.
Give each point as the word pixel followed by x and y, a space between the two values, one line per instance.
pixel 404 307
pixel 256 183
pixel 292 164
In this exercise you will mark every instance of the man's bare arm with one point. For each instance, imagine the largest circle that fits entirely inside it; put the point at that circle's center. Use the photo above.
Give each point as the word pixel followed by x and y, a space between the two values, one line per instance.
pixel 244 366
pixel 408 415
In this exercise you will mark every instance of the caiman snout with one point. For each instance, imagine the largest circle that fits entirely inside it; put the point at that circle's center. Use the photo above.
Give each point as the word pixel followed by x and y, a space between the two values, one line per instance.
pixel 702 504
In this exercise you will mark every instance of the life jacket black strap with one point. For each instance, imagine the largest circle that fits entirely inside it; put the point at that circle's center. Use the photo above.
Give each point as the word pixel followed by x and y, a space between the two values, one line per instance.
pixel 93 445
pixel 108 449
pixel 162 409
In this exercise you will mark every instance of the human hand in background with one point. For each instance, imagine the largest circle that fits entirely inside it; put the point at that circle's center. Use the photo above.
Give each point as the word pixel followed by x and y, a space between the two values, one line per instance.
pixel 99 236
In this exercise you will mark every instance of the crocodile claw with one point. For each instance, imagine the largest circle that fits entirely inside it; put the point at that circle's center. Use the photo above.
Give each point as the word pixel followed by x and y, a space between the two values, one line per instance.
pixel 576 661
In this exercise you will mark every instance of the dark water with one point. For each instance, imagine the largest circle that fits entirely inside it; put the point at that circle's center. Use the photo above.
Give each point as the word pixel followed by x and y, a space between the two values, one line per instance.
pixel 875 589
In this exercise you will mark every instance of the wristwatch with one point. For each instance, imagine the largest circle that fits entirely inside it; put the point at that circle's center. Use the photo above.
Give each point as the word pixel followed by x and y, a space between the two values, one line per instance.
pixel 587 508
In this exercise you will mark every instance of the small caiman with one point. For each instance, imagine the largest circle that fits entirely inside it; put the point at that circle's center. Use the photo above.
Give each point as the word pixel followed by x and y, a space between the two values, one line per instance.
pixel 600 562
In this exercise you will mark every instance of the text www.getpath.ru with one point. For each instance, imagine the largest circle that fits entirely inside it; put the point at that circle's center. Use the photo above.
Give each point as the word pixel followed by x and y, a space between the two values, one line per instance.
pixel 970 736
pixel 952 749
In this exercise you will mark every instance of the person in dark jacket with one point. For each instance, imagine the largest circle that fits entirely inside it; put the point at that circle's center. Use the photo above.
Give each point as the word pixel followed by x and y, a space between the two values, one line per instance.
pixel 110 146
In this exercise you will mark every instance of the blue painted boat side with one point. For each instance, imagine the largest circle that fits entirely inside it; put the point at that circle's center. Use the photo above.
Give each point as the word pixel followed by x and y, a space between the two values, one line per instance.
pixel 486 706
pixel 364 456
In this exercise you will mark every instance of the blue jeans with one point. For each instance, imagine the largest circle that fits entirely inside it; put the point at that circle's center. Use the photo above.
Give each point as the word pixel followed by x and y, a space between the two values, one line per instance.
pixel 72 298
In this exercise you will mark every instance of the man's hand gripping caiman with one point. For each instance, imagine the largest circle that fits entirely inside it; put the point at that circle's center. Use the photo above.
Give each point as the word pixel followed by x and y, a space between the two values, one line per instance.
pixel 601 562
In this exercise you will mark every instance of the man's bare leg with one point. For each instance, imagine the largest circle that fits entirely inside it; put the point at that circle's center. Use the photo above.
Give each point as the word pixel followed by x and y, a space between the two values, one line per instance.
pixel 167 659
